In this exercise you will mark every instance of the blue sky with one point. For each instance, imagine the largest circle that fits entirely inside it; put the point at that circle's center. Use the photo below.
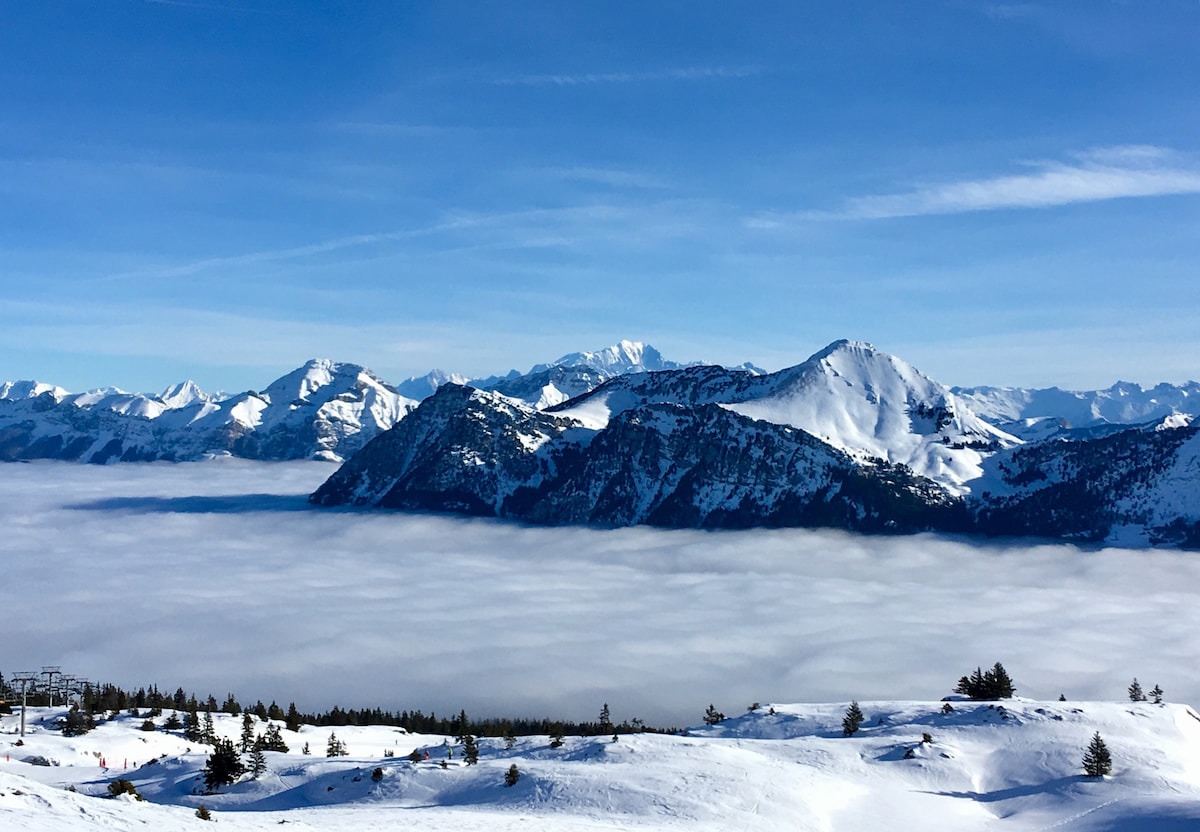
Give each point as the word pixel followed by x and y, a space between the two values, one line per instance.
pixel 1000 193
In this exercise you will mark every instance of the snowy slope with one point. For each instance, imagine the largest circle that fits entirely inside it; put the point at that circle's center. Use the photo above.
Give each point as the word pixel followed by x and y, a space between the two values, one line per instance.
pixel 1013 765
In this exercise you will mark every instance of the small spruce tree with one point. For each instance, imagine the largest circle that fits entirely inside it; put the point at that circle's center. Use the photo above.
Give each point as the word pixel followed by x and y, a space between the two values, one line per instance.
pixel 335 747
pixel 712 716
pixel 853 719
pixel 1097 762
pixel 1156 695
pixel 470 750
pixel 258 759
pixel 247 732
pixel 273 739
pixel 224 766
pixel 203 813
pixel 512 775
pixel 605 720
pixel 510 739
pixel 208 734
pixel 1135 692
pixel 191 726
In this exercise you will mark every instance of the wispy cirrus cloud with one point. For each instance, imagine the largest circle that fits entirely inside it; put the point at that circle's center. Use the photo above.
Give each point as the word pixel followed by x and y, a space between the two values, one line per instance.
pixel 695 73
pixel 1092 176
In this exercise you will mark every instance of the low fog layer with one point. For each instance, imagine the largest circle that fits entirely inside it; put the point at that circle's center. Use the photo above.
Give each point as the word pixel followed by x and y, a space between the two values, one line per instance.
pixel 218 577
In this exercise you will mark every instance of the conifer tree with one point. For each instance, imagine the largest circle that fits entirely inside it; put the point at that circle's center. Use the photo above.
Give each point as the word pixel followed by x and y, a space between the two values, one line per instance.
pixel 605 720
pixel 191 726
pixel 1097 762
pixel 258 759
pixel 247 740
pixel 224 766
pixel 510 739
pixel 335 747
pixel 512 775
pixel 273 739
pixel 853 719
pixel 292 720
pixel 1156 695
pixel 208 734
pixel 470 750
pixel 1135 692
pixel 712 716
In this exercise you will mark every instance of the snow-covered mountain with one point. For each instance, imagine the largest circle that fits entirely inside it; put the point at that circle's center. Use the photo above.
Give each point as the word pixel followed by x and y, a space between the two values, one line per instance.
pixel 572 375
pixel 1134 487
pixel 1029 413
pixel 660 463
pixel 867 403
pixel 852 437
pixel 978 767
pixel 323 410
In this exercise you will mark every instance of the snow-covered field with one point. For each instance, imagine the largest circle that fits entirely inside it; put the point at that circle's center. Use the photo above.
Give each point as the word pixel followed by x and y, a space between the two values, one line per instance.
pixel 1012 766
pixel 218 577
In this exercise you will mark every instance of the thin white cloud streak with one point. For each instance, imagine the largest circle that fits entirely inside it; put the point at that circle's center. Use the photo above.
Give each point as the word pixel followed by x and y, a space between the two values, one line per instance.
pixel 414 611
pixel 634 224
pixel 1095 176
pixel 594 78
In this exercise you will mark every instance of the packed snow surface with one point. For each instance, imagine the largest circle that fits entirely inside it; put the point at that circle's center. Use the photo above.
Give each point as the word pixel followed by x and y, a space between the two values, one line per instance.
pixel 1008 765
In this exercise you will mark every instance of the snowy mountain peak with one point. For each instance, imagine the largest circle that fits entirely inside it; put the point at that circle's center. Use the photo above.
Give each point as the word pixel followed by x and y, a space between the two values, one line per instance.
pixel 182 394
pixel 620 358
pixel 422 387
pixel 875 405
pixel 13 390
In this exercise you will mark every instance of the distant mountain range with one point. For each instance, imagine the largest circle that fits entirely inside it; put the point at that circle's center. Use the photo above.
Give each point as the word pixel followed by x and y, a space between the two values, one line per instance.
pixel 851 438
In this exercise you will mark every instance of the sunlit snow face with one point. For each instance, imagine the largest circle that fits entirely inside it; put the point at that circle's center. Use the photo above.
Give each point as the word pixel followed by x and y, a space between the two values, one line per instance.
pixel 218 577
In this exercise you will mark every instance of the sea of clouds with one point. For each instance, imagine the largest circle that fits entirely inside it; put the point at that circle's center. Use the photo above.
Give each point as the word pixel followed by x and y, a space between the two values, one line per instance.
pixel 218 577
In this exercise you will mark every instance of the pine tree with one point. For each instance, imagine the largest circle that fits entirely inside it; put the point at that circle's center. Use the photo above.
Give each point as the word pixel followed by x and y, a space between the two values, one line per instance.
pixel 273 739
pixel 1135 692
pixel 208 734
pixel 510 739
pixel 853 719
pixel 191 726
pixel 247 732
pixel 470 750
pixel 999 684
pixel 335 747
pixel 292 720
pixel 258 759
pixel 224 766
pixel 1156 695
pixel 512 775
pixel 712 716
pixel 994 684
pixel 1097 762
pixel 605 720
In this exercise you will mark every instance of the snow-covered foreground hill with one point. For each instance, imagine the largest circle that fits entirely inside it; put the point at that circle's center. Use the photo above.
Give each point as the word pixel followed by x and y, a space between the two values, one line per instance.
pixel 1013 765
